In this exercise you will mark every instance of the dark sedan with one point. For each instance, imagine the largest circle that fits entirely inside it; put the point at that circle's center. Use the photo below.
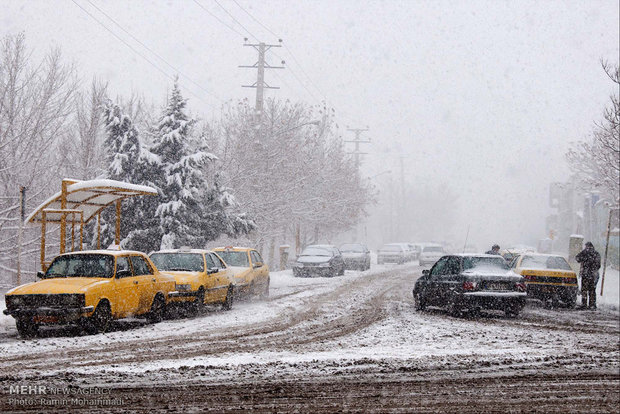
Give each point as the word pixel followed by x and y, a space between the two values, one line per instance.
pixel 468 282
pixel 319 261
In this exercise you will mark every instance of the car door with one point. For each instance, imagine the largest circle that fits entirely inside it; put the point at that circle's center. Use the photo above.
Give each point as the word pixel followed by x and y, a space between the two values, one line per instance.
pixel 212 283
pixel 451 280
pixel 261 269
pixel 147 283
pixel 433 287
pixel 221 277
pixel 126 297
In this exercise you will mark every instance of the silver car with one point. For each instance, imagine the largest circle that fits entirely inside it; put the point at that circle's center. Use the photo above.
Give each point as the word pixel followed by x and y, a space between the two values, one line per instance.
pixel 356 256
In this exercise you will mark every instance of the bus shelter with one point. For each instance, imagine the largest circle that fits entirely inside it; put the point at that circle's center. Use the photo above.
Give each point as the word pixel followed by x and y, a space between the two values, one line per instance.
pixel 77 203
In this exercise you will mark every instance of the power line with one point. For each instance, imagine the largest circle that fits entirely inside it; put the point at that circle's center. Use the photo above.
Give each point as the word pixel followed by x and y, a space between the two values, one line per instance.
pixel 218 19
pixel 154 53
pixel 236 21
pixel 134 50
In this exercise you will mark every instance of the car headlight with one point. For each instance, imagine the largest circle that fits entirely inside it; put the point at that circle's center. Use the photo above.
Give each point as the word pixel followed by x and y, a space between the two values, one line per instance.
pixel 324 265
pixel 184 287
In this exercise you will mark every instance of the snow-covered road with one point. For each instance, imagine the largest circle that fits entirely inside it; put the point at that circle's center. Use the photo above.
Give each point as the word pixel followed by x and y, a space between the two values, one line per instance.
pixel 360 327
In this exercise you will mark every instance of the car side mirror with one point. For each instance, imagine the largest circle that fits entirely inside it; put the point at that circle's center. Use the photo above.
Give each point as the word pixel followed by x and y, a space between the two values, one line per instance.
pixel 256 265
pixel 212 270
pixel 123 273
pixel 40 275
pixel 426 272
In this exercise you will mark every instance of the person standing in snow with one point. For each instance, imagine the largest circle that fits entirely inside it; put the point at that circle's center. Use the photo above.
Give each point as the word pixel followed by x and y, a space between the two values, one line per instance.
pixel 590 261
pixel 494 250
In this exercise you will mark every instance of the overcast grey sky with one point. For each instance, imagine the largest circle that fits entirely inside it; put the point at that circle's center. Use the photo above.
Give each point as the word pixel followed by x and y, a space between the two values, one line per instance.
pixel 481 96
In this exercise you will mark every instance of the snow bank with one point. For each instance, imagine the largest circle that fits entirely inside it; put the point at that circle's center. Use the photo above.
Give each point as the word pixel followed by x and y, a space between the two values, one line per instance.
pixel 611 290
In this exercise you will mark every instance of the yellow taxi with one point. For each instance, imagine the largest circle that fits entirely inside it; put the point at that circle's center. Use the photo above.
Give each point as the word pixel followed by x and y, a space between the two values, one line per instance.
pixel 91 288
pixel 201 277
pixel 249 270
pixel 548 277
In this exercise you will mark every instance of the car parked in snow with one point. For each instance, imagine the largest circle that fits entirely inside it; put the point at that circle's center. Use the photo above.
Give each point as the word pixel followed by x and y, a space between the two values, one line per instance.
pixel 319 260
pixel 466 282
pixel 249 271
pixel 356 256
pixel 548 278
pixel 201 277
pixel 91 288
pixel 430 254
pixel 391 253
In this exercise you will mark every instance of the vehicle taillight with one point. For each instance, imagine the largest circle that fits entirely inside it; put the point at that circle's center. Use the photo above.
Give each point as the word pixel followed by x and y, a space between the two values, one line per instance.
pixel 529 278
pixel 569 281
pixel 469 285
pixel 520 287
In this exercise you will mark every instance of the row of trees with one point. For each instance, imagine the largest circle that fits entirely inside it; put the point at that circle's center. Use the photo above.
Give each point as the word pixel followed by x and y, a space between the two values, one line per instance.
pixel 286 167
pixel 596 161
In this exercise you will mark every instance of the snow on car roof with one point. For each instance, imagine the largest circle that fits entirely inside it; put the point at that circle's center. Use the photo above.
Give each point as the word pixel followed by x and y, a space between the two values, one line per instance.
pixel 89 196
pixel 182 251
pixel 106 251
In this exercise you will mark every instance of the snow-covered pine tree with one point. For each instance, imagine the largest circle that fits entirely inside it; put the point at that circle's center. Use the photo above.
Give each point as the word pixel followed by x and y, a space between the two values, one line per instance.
pixel 127 160
pixel 191 212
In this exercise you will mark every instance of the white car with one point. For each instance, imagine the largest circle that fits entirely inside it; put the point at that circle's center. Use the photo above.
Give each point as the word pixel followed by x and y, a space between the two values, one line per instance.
pixel 391 253
pixel 430 254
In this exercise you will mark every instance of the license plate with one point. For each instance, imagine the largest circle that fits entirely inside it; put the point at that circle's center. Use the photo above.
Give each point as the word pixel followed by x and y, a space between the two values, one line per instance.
pixel 496 286
pixel 45 319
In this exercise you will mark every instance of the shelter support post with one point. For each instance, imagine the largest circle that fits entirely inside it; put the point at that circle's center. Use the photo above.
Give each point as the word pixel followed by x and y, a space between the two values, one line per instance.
pixel 117 238
pixel 43 225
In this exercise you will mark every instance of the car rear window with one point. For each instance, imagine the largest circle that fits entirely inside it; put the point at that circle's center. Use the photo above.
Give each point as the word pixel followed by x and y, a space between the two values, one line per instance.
pixel 545 262
pixel 233 258
pixel 357 248
pixel 189 262
pixel 478 263
pixel 391 248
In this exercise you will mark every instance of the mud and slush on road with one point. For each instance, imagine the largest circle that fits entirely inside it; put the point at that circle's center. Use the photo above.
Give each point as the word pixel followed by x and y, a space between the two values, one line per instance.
pixel 324 345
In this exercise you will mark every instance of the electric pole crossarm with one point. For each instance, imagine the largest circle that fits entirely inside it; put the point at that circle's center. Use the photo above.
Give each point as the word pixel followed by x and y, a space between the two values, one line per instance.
pixel 260 85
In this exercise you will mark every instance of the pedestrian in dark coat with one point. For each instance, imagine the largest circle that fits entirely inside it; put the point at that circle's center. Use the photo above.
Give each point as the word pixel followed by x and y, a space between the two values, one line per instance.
pixel 494 250
pixel 590 261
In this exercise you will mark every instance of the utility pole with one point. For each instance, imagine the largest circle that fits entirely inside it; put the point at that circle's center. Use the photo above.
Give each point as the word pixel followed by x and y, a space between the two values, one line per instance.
pixel 260 66
pixel 357 141
pixel 20 235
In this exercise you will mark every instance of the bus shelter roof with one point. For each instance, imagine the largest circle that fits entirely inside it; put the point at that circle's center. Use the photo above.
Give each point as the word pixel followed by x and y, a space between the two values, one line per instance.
pixel 89 197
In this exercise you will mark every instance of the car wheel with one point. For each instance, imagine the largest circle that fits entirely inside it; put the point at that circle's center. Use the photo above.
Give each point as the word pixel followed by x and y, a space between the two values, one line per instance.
pixel 158 309
pixel 100 320
pixel 420 303
pixel 26 328
pixel 455 310
pixel 199 302
pixel 512 310
pixel 230 295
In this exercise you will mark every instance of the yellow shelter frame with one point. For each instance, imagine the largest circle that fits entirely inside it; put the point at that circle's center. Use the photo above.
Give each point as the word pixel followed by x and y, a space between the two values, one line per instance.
pixel 78 202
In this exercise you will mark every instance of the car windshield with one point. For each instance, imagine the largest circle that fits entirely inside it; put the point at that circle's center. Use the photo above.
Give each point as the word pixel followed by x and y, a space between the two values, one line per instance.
pixel 316 251
pixel 354 248
pixel 479 263
pixel 82 265
pixel 235 258
pixel 188 262
pixel 433 249
pixel 391 248
pixel 545 262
